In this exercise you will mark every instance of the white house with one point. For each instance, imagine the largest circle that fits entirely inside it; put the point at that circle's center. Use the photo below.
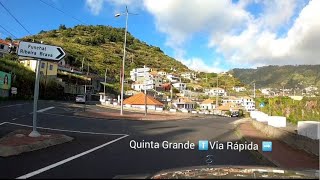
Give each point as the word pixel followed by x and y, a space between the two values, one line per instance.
pixel 239 89
pixel 266 91
pixel 162 73
pixel 140 74
pixel 248 103
pixel 184 103
pixel 138 101
pixel 172 78
pixel 232 99
pixel 180 86
pixel 208 104
pixel 215 91
pixel 189 75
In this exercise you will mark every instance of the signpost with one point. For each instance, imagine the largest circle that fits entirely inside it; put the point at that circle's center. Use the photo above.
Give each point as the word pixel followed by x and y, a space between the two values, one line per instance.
pixel 39 52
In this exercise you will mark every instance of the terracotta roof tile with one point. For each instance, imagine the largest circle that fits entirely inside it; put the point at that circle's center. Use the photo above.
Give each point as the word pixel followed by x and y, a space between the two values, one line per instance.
pixel 4 42
pixel 139 99
pixel 208 101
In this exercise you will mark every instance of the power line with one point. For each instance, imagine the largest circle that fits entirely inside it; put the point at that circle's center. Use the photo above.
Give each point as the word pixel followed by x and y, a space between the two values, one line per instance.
pixel 14 17
pixel 9 33
pixel 54 7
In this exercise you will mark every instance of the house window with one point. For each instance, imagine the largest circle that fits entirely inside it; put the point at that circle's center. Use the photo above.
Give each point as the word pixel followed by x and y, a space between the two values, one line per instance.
pixel 42 65
pixel 1 46
pixel 51 67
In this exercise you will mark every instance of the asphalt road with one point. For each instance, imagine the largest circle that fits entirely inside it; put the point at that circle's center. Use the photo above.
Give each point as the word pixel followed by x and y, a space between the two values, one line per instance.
pixel 108 143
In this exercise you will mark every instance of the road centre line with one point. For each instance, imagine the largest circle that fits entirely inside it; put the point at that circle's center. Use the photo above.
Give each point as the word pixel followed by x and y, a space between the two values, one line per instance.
pixel 63 130
pixel 12 105
pixel 43 110
pixel 68 159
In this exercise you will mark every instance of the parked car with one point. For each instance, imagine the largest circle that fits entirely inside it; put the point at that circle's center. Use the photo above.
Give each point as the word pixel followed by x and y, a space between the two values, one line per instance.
pixel 80 99
pixel 235 114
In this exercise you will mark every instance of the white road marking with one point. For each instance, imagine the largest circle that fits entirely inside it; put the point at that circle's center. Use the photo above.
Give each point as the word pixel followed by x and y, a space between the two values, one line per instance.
pixel 12 105
pixel 3 123
pixel 68 159
pixel 45 109
pixel 64 130
pixel 14 119
pixel 79 117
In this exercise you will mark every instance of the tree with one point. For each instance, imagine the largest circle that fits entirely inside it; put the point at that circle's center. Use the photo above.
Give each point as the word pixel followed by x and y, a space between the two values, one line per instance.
pixel 62 27
pixel 8 38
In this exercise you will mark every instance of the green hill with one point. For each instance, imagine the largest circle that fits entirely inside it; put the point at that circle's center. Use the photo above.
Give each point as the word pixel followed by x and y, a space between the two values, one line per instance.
pixel 102 47
pixel 278 76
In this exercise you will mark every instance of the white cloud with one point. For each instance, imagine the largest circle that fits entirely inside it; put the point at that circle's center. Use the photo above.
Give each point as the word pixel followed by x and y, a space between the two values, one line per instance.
pixel 257 45
pixel 95 6
pixel 198 64
pixel 180 19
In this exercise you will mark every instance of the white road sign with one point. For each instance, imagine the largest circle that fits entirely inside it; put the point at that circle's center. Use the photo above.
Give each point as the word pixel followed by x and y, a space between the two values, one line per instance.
pixel 40 51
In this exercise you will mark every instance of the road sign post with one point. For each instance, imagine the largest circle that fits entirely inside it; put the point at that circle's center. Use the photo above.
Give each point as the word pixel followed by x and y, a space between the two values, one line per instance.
pixel 34 132
pixel 40 52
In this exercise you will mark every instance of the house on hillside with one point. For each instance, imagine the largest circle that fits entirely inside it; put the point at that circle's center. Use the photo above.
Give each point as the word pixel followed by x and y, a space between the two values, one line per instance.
pixel 239 89
pixel 180 86
pixel 184 103
pixel 232 99
pixel 189 75
pixel 138 101
pixel 208 104
pixel 47 68
pixel 173 78
pixel 248 103
pixel 215 92
pixel 4 47
pixel 140 74
pixel 162 73
pixel 229 107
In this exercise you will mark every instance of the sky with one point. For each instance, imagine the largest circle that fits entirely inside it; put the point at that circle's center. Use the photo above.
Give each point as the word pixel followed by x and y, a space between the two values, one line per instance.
pixel 205 35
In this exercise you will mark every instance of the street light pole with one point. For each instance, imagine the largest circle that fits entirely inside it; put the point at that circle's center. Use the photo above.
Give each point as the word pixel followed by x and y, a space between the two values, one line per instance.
pixel 217 93
pixel 105 82
pixel 123 59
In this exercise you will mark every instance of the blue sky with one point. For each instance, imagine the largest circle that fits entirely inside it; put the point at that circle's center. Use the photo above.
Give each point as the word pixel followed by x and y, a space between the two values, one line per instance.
pixel 205 35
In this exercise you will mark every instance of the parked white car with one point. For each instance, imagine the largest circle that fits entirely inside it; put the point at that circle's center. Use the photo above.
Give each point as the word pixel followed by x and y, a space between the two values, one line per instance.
pixel 80 99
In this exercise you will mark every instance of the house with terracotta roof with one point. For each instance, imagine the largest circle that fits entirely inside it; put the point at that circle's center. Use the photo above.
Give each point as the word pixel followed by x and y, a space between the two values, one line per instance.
pixel 208 104
pixel 184 103
pixel 222 110
pixel 4 47
pixel 138 101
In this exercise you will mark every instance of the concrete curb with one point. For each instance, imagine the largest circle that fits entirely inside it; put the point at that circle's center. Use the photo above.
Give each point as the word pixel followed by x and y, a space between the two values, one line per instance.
pixel 257 154
pixel 6 151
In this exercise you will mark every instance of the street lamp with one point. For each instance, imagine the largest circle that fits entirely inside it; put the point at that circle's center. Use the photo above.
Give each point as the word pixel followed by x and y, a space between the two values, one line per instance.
pixel 124 56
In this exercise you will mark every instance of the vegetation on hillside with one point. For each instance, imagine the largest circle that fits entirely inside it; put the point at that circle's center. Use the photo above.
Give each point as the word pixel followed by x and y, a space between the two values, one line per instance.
pixel 278 76
pixel 308 109
pixel 102 47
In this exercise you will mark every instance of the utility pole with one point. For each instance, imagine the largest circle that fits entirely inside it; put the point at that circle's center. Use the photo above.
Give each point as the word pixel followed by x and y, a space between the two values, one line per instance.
pixel 254 90
pixel 88 69
pixel 217 104
pixel 82 64
pixel 145 92
pixel 105 82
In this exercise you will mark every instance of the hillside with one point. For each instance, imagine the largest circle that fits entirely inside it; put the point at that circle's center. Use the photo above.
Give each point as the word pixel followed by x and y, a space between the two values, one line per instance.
pixel 102 47
pixel 278 76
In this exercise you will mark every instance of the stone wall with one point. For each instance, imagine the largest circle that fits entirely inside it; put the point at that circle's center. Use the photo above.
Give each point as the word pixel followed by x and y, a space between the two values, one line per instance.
pixel 292 139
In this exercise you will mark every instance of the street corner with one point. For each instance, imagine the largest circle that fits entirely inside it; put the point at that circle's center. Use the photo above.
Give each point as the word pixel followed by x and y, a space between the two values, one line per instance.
pixel 18 141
